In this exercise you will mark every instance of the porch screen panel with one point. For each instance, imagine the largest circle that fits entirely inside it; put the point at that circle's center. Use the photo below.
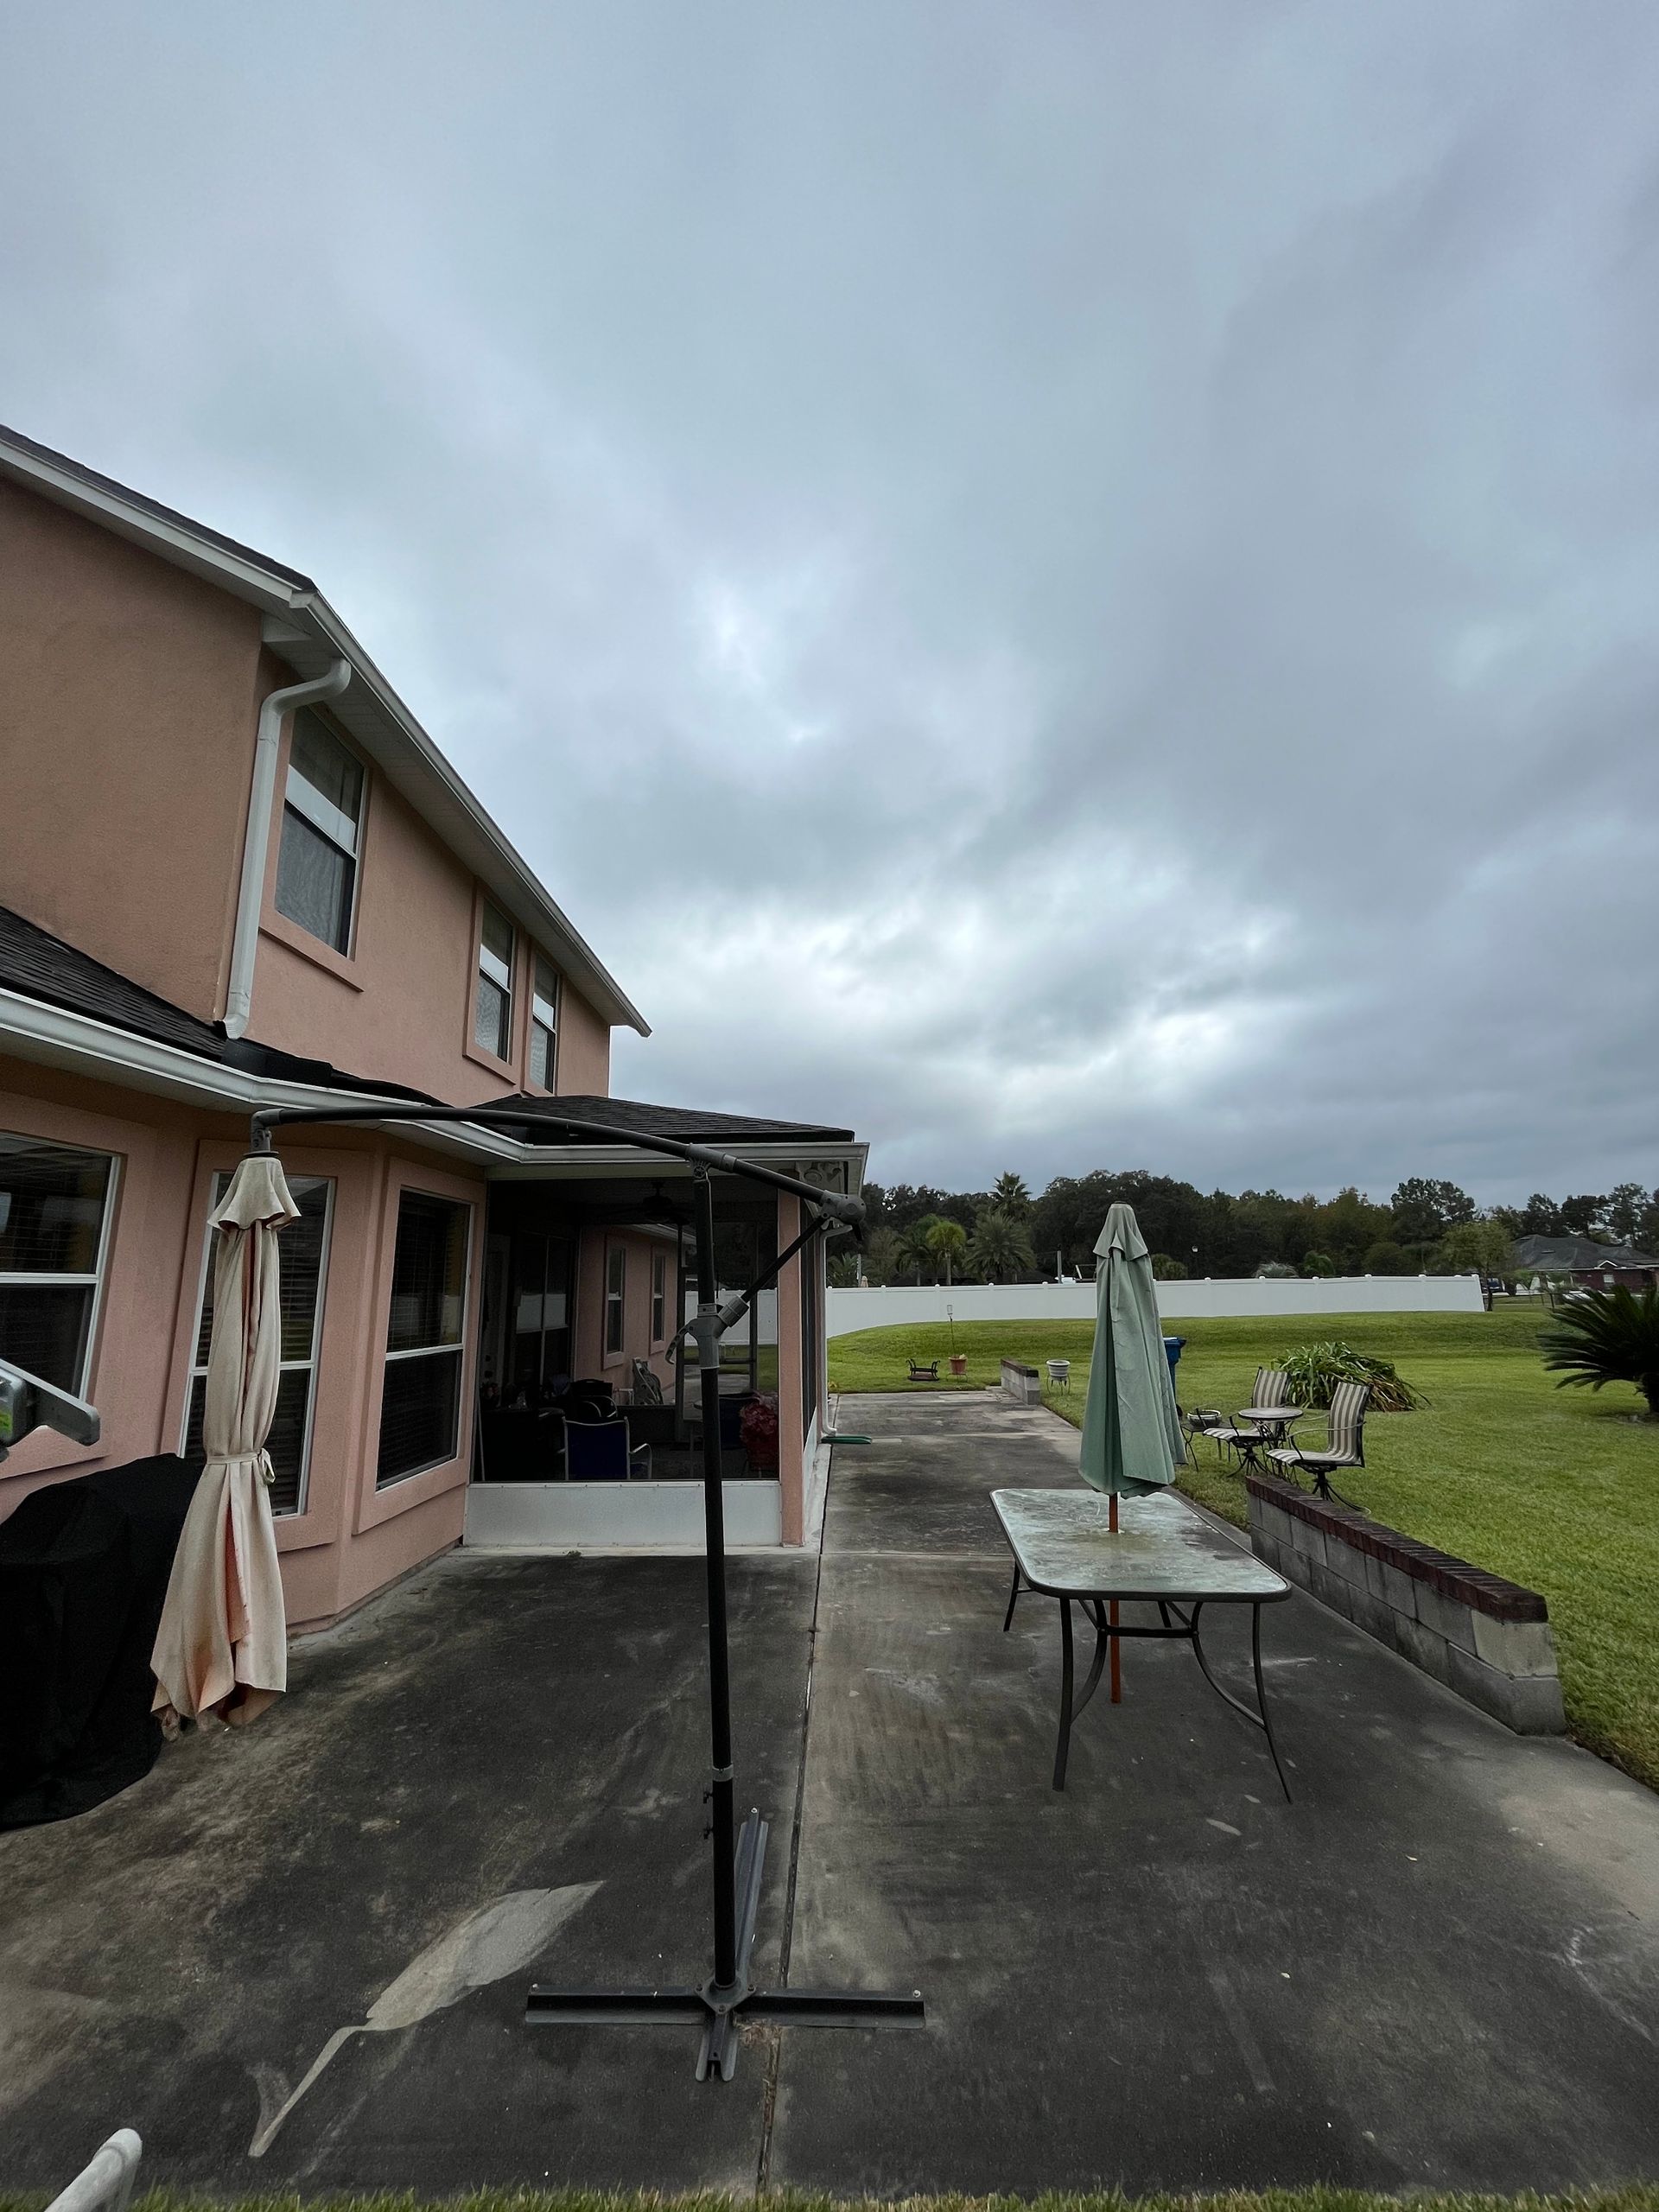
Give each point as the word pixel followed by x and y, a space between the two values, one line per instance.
pixel 811 1331
pixel 303 1255
pixel 56 1209
pixel 421 1391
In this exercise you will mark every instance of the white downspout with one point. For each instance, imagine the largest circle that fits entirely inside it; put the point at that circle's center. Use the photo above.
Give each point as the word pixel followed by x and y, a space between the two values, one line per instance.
pixel 256 846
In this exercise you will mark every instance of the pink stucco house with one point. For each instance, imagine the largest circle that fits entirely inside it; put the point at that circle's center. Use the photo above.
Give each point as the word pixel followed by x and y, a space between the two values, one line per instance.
pixel 235 872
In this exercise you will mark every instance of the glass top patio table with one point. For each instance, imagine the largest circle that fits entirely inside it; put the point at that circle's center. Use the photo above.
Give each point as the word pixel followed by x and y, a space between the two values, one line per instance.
pixel 1162 1551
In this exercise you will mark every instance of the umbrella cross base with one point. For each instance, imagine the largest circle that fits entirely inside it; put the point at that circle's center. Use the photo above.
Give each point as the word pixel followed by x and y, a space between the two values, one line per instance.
pixel 719 2010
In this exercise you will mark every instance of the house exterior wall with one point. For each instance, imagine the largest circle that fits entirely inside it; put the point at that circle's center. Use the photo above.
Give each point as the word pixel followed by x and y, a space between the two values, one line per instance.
pixel 590 1355
pixel 127 719
pixel 399 1005
pixel 351 1539
pixel 127 726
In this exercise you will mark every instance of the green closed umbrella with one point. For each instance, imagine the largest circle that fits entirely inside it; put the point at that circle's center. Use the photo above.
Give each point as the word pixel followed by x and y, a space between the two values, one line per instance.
pixel 1132 1440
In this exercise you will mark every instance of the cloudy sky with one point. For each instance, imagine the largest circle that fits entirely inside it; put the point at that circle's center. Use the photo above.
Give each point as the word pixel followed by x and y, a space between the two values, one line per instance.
pixel 1071 584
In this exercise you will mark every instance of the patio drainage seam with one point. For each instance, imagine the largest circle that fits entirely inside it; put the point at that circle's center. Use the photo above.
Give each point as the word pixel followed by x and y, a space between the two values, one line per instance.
pixel 769 2103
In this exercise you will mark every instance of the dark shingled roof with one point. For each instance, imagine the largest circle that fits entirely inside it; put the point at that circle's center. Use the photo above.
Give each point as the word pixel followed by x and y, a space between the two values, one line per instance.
pixel 38 965
pixel 1577 1255
pixel 95 482
pixel 690 1124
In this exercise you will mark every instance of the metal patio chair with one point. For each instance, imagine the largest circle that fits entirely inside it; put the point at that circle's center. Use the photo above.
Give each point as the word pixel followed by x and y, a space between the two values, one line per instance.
pixel 603 1452
pixel 1344 1443
pixel 923 1371
pixel 1272 1388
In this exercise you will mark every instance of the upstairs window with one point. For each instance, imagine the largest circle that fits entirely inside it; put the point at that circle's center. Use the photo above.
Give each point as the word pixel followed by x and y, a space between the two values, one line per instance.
pixel 492 1007
pixel 323 811
pixel 55 1234
pixel 543 1024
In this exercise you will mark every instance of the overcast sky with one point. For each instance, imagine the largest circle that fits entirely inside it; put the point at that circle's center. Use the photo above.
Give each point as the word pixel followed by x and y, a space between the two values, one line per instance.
pixel 1069 584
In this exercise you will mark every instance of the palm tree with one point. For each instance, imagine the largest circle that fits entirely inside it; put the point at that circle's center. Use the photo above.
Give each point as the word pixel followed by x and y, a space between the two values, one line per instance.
pixel 1000 1247
pixel 914 1249
pixel 1009 1196
pixel 1607 1335
pixel 947 1241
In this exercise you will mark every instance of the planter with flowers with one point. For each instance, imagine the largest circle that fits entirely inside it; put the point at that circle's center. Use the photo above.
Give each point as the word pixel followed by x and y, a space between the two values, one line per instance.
pixel 758 1427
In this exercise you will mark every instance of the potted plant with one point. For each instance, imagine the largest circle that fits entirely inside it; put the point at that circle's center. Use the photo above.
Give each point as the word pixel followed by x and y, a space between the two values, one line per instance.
pixel 958 1359
pixel 758 1427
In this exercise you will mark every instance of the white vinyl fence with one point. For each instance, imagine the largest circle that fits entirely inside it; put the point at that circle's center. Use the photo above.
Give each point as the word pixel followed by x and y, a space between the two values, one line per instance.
pixel 1075 1301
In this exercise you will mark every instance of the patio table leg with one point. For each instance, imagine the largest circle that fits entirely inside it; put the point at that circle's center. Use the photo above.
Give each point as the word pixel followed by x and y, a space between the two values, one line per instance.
pixel 1014 1599
pixel 1064 1743
pixel 1260 1716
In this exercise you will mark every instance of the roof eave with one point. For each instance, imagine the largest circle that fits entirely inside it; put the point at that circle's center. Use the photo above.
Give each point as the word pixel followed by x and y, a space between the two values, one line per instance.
pixel 298 616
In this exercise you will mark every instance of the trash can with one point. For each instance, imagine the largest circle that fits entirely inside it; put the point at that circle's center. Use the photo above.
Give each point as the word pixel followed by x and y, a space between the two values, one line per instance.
pixel 1172 1353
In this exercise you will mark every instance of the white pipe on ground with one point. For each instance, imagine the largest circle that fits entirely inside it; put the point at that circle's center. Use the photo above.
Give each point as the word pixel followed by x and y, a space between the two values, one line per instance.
pixel 256 845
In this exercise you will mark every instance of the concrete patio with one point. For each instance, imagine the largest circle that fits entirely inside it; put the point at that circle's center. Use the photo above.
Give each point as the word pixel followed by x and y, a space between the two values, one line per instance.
pixel 1439 1967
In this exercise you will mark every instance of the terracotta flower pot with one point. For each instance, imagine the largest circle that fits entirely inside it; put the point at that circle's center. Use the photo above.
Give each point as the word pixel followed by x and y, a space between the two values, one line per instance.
pixel 958 1363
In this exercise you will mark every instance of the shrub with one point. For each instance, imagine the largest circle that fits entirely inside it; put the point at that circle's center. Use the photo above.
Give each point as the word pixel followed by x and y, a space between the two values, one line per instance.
pixel 1318 1263
pixel 1606 1335
pixel 1165 1269
pixel 1316 1369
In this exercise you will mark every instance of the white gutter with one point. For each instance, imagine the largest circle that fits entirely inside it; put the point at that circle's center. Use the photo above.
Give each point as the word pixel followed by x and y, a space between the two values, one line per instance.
pixel 256 845
pixel 53 1036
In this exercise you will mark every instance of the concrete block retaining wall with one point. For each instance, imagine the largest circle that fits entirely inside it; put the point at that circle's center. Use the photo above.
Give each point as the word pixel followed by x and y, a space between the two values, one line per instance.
pixel 1023 1385
pixel 1488 1639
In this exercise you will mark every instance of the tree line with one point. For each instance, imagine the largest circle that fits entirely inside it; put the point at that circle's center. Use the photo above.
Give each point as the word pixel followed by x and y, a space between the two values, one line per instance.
pixel 917 1234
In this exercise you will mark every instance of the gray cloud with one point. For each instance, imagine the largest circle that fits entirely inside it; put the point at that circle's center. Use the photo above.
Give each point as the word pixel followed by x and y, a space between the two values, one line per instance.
pixel 1070 586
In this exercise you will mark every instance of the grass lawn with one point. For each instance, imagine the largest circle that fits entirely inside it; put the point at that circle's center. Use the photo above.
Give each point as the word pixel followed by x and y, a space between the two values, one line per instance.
pixel 1556 1489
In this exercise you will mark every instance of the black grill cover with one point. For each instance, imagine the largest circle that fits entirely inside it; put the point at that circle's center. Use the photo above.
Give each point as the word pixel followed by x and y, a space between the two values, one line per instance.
pixel 83 1567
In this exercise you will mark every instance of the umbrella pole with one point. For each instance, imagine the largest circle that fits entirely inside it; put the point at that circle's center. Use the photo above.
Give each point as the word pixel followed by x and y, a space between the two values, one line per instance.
pixel 1117 1662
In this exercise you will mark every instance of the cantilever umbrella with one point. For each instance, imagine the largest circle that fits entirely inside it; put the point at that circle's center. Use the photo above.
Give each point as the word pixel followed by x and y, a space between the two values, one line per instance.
pixel 1132 1441
pixel 222 1645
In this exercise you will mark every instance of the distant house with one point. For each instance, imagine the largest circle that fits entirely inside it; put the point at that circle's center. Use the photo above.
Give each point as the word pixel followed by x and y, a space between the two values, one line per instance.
pixel 215 895
pixel 1591 1265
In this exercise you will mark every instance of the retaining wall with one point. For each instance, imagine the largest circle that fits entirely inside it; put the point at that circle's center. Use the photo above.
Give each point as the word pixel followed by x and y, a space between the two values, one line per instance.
pixel 905 1304
pixel 1488 1639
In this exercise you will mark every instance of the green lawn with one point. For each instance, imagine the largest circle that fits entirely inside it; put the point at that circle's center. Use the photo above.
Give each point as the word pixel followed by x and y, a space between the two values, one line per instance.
pixel 1556 1489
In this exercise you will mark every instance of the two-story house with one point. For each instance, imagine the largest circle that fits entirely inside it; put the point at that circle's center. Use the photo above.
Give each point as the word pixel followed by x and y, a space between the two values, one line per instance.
pixel 235 871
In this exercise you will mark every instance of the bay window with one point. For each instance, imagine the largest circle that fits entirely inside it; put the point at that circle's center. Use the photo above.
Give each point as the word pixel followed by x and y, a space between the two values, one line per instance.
pixel 56 1205
pixel 302 1255
pixel 616 1279
pixel 421 1388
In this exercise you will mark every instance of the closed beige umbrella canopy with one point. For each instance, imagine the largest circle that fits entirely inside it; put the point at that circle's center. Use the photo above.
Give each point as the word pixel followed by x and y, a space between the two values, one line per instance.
pixel 222 1646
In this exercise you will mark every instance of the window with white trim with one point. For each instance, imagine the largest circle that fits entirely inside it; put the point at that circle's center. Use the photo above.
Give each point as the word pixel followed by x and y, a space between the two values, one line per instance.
pixel 616 1283
pixel 543 1022
pixel 421 1385
pixel 658 1296
pixel 56 1205
pixel 492 1002
pixel 302 1256
pixel 322 812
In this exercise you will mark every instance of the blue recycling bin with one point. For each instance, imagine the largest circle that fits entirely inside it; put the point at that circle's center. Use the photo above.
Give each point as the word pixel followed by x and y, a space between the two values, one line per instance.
pixel 1172 1353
